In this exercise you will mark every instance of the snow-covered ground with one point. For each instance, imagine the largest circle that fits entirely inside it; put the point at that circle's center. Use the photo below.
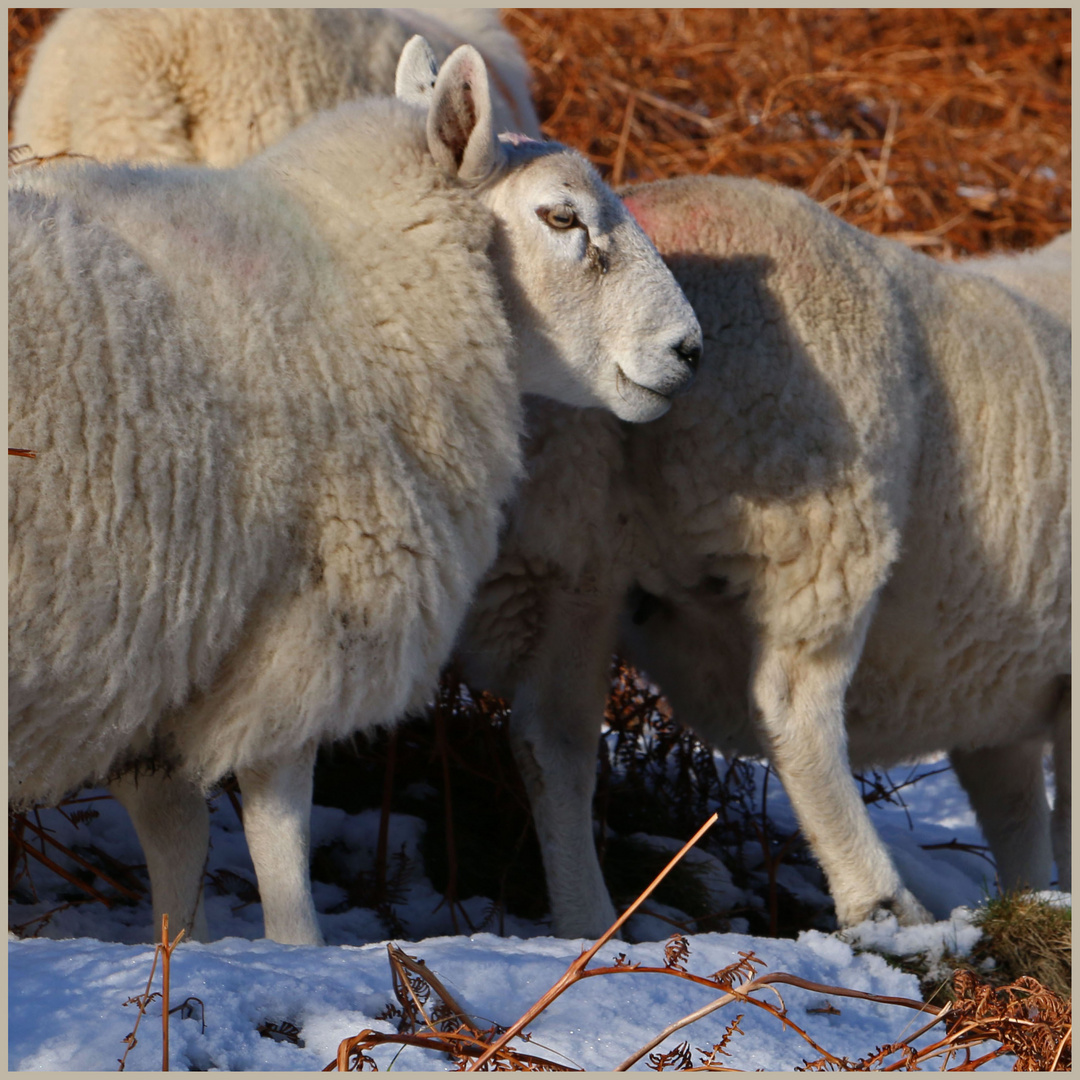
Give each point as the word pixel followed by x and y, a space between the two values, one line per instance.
pixel 68 985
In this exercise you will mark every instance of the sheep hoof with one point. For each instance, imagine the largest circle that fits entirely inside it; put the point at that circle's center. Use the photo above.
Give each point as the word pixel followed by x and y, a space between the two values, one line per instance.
pixel 904 908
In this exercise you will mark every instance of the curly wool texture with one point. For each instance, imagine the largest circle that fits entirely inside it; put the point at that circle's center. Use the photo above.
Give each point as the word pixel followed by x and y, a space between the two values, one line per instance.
pixel 217 85
pixel 275 415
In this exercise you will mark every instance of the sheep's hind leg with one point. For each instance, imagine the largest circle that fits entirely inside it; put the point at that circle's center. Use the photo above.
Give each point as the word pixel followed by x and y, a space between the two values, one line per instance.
pixel 1008 794
pixel 799 693
pixel 173 825
pixel 277 824
pixel 554 729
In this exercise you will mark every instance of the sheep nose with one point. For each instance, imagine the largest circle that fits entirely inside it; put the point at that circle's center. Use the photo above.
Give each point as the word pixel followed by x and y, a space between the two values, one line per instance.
pixel 689 350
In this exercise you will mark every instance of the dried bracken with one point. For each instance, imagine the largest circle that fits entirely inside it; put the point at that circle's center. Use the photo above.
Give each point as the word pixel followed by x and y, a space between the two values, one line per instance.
pixel 29 839
pixel 949 129
pixel 1024 1019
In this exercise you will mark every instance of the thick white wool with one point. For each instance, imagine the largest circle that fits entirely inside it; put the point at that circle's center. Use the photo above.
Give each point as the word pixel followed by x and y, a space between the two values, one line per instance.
pixel 275 414
pixel 860 518
pixel 1043 276
pixel 217 85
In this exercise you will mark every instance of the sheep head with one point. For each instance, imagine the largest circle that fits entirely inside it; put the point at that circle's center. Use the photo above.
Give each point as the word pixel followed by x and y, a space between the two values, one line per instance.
pixel 597 316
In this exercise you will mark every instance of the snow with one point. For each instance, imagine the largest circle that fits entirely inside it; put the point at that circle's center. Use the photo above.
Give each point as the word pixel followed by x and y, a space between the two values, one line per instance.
pixel 67 986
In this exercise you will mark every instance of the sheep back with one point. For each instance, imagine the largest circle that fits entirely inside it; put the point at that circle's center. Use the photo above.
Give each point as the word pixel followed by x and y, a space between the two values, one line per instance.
pixel 1044 276
pixel 275 418
pixel 218 85
pixel 788 472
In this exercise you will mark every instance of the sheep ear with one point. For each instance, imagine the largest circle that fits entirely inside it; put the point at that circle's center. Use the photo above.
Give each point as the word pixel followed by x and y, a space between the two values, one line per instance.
pixel 460 128
pixel 417 71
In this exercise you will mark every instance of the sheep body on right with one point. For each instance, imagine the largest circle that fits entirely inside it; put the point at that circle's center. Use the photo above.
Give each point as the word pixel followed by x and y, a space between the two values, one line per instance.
pixel 850 546
pixel 216 85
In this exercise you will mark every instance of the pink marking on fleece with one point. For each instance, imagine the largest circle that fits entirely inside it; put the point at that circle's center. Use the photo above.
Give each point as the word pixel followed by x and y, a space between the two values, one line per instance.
pixel 672 233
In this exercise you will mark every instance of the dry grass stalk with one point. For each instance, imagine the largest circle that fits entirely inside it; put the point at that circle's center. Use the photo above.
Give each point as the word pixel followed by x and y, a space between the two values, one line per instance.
pixel 21 453
pixel 144 999
pixel 165 950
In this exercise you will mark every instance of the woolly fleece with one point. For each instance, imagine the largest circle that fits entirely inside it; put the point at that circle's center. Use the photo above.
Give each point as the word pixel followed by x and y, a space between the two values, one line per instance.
pixel 217 85
pixel 274 416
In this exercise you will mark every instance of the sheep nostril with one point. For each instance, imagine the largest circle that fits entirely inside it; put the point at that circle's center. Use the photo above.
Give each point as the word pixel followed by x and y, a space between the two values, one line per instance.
pixel 690 351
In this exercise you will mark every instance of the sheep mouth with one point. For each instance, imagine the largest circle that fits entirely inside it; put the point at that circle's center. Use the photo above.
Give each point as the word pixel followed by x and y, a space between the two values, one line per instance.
pixel 625 386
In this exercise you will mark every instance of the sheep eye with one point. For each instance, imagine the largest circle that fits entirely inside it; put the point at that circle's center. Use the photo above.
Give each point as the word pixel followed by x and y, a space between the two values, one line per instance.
pixel 558 217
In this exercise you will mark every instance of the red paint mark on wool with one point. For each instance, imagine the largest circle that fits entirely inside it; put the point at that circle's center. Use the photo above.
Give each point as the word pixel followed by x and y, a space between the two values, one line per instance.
pixel 639 214
pixel 672 233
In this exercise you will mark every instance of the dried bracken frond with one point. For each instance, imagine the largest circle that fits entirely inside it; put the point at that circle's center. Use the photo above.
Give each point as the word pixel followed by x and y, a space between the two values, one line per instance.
pixel 709 1058
pixel 742 970
pixel 1028 1020
pixel 678 1058
pixel 676 953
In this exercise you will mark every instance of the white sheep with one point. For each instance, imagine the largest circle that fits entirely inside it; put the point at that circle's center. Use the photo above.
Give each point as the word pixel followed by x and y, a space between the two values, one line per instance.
pixel 849 546
pixel 276 412
pixel 217 85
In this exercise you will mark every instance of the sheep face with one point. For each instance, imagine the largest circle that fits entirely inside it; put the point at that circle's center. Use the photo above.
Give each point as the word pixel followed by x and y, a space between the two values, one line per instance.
pixel 598 316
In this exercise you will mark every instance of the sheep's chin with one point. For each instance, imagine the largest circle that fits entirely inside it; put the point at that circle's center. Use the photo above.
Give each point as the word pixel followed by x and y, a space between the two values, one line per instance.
pixel 635 402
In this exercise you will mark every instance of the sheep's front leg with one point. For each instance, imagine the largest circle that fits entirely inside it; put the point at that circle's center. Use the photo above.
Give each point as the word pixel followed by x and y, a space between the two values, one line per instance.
pixel 173 826
pixel 555 725
pixel 799 694
pixel 277 824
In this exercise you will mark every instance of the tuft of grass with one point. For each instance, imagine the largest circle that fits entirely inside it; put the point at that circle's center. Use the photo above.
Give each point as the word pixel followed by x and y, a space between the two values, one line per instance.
pixel 1022 937
pixel 1026 936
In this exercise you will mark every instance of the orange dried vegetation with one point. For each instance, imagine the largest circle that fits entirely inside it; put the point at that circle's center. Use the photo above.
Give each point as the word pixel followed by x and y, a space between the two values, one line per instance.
pixel 949 129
